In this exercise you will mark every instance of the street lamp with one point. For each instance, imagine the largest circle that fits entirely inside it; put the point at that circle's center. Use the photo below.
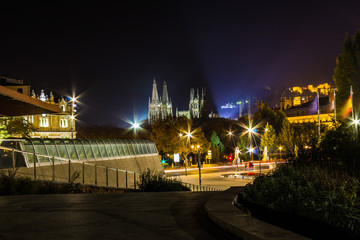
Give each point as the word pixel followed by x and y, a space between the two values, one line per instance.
pixel 237 151
pixel 135 126
pixel 231 134
pixel 356 122
pixel 199 164
pixel 72 117
pixel 280 151
pixel 188 135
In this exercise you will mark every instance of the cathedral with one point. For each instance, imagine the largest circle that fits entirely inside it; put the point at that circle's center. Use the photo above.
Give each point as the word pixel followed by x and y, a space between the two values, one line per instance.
pixel 197 104
pixel 159 108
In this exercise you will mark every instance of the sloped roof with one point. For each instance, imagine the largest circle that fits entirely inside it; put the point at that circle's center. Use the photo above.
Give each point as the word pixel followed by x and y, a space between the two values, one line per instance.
pixel 13 103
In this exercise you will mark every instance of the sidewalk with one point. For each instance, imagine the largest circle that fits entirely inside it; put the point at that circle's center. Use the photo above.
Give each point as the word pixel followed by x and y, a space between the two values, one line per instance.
pixel 220 210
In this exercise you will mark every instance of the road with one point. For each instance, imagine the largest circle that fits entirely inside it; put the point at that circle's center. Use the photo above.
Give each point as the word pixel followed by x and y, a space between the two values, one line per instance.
pixel 172 215
pixel 213 176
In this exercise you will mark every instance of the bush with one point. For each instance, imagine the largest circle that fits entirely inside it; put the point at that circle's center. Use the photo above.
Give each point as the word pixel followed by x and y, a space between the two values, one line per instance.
pixel 310 192
pixel 12 185
pixel 158 182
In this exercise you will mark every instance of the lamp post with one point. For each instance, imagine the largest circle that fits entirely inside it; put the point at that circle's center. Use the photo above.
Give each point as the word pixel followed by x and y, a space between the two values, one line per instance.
pixel 135 126
pixel 199 164
pixel 72 117
pixel 356 122
pixel 280 151
pixel 189 135
pixel 237 151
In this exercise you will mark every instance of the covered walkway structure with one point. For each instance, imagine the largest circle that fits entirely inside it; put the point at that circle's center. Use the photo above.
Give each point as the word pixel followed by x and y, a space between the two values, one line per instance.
pixel 90 161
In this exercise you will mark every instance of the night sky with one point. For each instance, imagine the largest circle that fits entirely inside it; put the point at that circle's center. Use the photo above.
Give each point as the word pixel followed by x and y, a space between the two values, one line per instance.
pixel 110 53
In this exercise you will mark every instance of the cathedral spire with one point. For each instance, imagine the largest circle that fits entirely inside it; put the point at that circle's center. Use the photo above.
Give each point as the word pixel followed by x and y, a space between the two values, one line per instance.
pixel 165 98
pixel 155 96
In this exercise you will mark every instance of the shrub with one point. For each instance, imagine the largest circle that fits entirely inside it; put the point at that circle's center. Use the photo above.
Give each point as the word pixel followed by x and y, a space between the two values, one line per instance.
pixel 12 185
pixel 157 182
pixel 311 192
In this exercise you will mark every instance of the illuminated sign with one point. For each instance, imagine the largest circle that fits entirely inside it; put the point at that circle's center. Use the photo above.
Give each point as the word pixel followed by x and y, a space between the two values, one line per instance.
pixel 176 157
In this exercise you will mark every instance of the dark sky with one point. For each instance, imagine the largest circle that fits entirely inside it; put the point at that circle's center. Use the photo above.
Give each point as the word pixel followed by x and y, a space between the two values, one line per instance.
pixel 110 53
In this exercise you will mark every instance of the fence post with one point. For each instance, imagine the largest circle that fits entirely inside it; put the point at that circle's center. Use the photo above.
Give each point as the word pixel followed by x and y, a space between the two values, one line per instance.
pixel 134 180
pixel 35 166
pixel 83 170
pixel 117 177
pixel 126 180
pixel 107 178
pixel 95 175
pixel 53 168
pixel 69 170
pixel 13 159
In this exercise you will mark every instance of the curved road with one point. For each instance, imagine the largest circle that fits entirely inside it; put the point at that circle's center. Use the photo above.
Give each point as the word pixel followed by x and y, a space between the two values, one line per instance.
pixel 176 215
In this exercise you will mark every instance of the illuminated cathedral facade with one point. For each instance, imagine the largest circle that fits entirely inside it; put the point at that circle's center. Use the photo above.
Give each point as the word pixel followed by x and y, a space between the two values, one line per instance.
pixel 159 107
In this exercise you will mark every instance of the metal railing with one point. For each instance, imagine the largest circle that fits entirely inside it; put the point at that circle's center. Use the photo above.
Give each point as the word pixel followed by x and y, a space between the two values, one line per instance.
pixel 69 170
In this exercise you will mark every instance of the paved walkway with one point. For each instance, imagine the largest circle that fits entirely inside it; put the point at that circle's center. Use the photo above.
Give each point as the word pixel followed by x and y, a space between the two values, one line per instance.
pixel 172 215
pixel 166 215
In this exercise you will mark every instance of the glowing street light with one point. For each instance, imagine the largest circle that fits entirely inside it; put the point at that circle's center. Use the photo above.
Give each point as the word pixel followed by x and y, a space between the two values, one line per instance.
pixel 72 117
pixel 280 151
pixel 356 122
pixel 135 126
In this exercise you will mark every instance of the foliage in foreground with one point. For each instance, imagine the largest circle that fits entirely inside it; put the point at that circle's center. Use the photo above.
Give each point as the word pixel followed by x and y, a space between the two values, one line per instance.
pixel 157 182
pixel 11 185
pixel 311 192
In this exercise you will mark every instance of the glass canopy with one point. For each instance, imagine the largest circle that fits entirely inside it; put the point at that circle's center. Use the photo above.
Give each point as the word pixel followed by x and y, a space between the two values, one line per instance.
pixel 77 149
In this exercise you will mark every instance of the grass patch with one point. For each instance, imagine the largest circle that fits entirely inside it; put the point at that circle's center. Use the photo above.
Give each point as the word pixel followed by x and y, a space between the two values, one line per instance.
pixel 158 182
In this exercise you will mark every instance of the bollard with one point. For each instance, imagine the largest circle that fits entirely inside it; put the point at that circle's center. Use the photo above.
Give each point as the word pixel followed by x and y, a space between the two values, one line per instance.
pixel 69 170
pixel 107 176
pixel 34 166
pixel 117 177
pixel 126 180
pixel 13 159
pixel 134 180
pixel 53 168
pixel 95 175
pixel 83 175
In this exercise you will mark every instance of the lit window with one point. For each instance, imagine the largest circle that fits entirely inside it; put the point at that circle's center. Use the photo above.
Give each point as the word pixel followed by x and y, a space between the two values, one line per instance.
pixel 44 122
pixel 63 108
pixel 63 123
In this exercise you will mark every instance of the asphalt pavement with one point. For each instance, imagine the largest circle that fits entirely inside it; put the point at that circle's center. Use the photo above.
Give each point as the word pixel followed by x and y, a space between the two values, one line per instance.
pixel 138 215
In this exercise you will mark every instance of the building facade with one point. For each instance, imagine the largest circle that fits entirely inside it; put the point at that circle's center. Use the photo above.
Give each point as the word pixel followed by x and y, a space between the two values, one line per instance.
pixel 159 108
pixel 53 125
pixel 296 96
pixel 48 125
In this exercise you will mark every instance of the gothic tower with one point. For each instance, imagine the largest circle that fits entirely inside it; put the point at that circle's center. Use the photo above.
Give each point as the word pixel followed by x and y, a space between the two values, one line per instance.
pixel 159 108
pixel 198 104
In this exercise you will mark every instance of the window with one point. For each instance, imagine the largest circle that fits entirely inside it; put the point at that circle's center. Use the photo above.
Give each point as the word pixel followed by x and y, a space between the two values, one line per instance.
pixel 64 123
pixel 44 122
pixel 20 90
pixel 63 108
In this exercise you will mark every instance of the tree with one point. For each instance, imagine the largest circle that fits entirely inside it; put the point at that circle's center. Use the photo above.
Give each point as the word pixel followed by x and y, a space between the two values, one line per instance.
pixel 170 137
pixel 243 145
pixel 347 71
pixel 217 148
pixel 286 137
pixel 20 126
pixel 3 132
pixel 268 139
